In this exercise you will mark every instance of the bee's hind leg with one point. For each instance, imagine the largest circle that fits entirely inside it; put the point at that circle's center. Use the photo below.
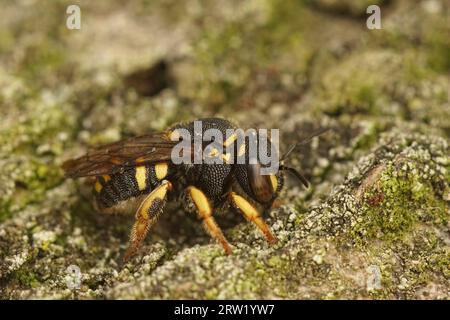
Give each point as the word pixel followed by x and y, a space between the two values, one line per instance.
pixel 205 211
pixel 252 215
pixel 146 215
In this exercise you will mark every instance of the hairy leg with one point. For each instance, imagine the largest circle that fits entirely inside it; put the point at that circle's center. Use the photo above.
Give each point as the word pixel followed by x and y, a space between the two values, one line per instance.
pixel 205 212
pixel 146 215
pixel 251 214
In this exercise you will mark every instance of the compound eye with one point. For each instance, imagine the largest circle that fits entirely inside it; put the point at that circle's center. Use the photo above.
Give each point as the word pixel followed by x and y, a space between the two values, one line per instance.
pixel 261 185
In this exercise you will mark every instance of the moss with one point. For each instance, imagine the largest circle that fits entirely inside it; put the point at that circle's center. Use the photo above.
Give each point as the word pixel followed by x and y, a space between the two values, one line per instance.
pixel 6 40
pixel 393 205
pixel 409 265
pixel 228 57
pixel 369 136
pixel 438 45
pixel 379 180
pixel 26 277
pixel 43 59
pixel 275 261
pixel 356 86
pixel 362 85
pixel 33 134
pixel 30 185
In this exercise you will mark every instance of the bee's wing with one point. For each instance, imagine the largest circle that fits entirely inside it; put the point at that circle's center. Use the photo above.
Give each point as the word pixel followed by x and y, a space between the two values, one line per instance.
pixel 112 158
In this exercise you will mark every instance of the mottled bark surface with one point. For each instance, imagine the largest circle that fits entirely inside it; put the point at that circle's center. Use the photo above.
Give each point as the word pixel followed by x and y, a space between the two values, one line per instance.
pixel 375 222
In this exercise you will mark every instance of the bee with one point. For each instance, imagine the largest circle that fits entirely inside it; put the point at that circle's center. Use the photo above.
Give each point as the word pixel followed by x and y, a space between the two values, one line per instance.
pixel 139 174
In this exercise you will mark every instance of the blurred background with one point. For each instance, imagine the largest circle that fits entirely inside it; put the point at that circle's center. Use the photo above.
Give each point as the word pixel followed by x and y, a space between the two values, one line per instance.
pixel 138 66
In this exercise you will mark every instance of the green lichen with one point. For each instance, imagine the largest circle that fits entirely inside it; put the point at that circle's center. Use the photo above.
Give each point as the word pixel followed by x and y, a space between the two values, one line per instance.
pixel 379 179
pixel 368 137
pixel 27 278
pixel 397 202
pixel 229 56
pixel 28 149
pixel 438 45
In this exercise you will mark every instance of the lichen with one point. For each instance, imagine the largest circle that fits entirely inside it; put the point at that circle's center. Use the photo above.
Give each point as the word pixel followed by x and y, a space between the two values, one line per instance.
pixel 374 222
pixel 397 201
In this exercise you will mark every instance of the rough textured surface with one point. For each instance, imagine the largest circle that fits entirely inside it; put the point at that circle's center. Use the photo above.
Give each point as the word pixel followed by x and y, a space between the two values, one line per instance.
pixel 374 224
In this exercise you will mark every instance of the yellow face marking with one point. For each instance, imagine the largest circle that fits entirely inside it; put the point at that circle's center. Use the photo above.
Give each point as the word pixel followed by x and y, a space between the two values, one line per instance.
pixel 98 186
pixel 161 170
pixel 274 181
pixel 201 202
pixel 241 151
pixel 230 140
pixel 226 157
pixel 106 178
pixel 249 211
pixel 159 193
pixel 140 177
pixel 214 152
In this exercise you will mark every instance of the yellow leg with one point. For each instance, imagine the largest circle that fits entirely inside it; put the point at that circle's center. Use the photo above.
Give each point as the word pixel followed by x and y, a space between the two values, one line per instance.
pixel 252 214
pixel 205 211
pixel 146 215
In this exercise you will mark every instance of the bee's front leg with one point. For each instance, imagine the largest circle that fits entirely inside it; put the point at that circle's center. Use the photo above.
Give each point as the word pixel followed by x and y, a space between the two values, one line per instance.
pixel 146 215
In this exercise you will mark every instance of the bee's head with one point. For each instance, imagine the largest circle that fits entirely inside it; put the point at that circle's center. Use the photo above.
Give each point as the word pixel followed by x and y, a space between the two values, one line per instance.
pixel 265 188
pixel 260 177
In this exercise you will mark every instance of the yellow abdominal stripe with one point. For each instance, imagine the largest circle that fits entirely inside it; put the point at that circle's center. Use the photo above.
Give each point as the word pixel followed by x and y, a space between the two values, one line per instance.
pixel 161 170
pixel 141 174
pixel 140 177
pixel 98 186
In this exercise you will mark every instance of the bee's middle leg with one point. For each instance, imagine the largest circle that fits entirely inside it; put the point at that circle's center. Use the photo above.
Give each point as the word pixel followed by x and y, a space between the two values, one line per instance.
pixel 146 215
pixel 205 211
pixel 251 214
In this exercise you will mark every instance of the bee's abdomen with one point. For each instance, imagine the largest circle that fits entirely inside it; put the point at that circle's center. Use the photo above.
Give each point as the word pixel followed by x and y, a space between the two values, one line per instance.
pixel 133 182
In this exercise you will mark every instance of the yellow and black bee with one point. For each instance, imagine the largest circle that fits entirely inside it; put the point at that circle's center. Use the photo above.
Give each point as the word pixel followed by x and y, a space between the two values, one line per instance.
pixel 139 173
